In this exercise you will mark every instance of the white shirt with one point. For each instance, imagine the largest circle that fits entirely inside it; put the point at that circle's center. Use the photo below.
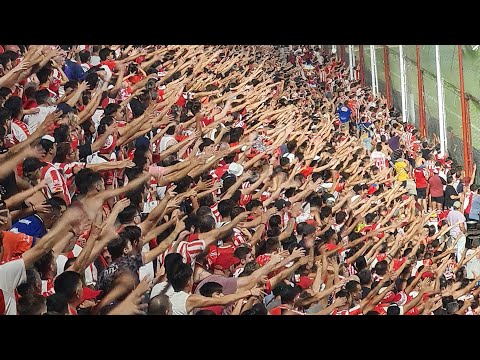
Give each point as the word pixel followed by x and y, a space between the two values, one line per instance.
pixel 12 274
pixel 378 158
pixel 96 117
pixel 455 217
pixel 147 269
pixel 160 288
pixel 179 303
pixel 164 141
pixel 95 60
pixel 34 120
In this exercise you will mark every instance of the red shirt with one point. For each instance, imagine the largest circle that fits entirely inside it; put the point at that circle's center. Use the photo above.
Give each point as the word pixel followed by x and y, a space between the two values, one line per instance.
pixel 397 263
pixel 207 121
pixel 436 186
pixel 110 63
pixel 15 245
pixel 420 178
pixel 215 251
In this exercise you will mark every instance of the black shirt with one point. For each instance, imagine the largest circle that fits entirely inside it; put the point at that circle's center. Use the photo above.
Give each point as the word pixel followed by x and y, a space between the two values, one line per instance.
pixel 131 263
pixel 365 291
pixel 84 151
pixel 425 153
pixel 450 190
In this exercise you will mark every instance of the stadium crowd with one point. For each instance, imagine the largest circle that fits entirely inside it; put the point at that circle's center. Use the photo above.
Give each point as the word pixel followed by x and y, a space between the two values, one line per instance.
pixel 222 180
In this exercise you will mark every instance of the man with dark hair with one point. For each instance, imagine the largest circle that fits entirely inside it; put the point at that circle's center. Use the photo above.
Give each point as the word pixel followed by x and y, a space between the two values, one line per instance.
pixel 56 182
pixel 44 107
pixel 355 290
pixel 58 303
pixel 366 281
pixel 69 283
pixel 244 254
pixel 37 224
pixel 32 304
pixel 184 302
pixel 19 130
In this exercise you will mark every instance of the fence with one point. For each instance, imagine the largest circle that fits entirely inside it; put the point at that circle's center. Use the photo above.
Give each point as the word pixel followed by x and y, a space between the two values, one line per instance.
pixel 450 88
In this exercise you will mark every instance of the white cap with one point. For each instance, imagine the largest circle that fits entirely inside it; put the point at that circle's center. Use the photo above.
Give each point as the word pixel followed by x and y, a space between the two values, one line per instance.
pixel 235 169
pixel 48 137
pixel 355 197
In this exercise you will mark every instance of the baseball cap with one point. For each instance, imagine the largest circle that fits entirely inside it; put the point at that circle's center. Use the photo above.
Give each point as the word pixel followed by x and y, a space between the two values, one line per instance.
pixel 281 203
pixel 235 169
pixel 457 204
pixel 65 108
pixel 49 138
pixel 428 274
pixel 305 282
pixel 32 164
pixel 142 141
pixel 372 189
pixel 224 261
pixel 89 294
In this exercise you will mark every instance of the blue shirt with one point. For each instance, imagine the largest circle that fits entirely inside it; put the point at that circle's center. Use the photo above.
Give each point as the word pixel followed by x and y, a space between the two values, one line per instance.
pixel 475 209
pixel 74 71
pixel 31 225
pixel 344 113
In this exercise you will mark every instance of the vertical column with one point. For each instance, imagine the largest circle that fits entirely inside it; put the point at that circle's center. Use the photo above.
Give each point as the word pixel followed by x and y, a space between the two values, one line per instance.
pixel 361 65
pixel 372 69
pixel 441 104
pixel 403 85
pixel 342 53
pixel 375 67
pixel 351 56
pixel 386 63
pixel 467 135
pixel 421 105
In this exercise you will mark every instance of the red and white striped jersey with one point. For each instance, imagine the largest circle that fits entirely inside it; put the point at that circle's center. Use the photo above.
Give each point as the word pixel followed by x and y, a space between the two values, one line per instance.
pixel 189 251
pixel 12 274
pixel 322 75
pixel 47 287
pixel 379 159
pixel 20 131
pixel 356 310
pixel 216 213
pixel 263 259
pixel 356 74
pixel 245 199
pixel 238 237
pixel 66 169
pixel 55 182
pixel 430 165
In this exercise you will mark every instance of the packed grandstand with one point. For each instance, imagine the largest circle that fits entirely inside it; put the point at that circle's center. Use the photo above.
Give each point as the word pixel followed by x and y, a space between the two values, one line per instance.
pixel 222 180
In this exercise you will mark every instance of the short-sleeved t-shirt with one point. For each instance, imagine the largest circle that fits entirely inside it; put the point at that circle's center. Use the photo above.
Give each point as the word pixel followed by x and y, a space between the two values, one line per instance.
pixel 344 114
pixel 402 174
pixel 31 225
pixel 450 191
pixel 436 186
pixel 130 263
pixel 455 217
pixel 15 244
